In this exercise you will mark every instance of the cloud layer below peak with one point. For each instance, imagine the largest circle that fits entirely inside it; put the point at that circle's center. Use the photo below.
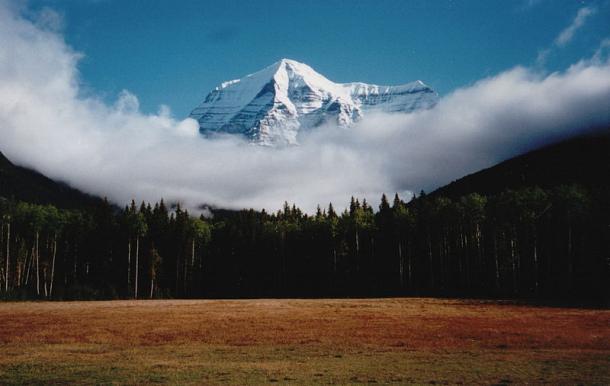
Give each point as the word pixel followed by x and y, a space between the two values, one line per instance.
pixel 117 151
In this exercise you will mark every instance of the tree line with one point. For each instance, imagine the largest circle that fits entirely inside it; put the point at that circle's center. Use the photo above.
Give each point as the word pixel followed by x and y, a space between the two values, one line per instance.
pixel 525 243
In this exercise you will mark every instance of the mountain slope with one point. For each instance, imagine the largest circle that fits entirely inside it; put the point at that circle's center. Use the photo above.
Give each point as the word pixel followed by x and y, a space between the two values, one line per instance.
pixel 23 184
pixel 271 106
pixel 584 161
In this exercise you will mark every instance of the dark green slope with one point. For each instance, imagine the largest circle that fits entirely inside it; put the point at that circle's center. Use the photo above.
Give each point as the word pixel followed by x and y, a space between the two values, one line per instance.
pixel 22 184
pixel 584 161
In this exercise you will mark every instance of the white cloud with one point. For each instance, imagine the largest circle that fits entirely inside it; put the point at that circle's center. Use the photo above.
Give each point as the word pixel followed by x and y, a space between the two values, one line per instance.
pixel 117 151
pixel 567 34
pixel 601 51
pixel 49 19
pixel 528 4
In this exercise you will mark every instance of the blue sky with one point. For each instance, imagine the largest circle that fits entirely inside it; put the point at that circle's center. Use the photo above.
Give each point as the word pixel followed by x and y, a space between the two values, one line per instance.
pixel 174 52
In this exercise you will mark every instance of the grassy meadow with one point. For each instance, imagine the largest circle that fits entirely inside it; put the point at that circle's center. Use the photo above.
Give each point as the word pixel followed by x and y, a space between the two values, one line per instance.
pixel 412 340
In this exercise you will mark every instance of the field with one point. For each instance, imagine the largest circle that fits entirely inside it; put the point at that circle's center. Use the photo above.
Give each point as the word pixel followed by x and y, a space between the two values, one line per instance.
pixel 430 341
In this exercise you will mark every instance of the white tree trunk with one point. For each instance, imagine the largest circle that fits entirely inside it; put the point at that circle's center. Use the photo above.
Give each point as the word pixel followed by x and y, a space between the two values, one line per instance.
pixel 44 282
pixel 536 284
pixel 357 252
pixel 137 258
pixel 400 265
pixel 37 266
pixel 8 255
pixel 334 260
pixel 28 265
pixel 497 265
pixel 193 253
pixel 128 266
pixel 570 260
pixel 53 265
pixel 409 270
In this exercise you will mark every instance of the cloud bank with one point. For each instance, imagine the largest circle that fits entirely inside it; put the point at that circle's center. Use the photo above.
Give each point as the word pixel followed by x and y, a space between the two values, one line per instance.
pixel 48 123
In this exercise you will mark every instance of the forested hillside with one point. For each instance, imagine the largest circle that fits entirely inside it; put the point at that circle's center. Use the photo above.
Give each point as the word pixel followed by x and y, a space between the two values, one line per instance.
pixel 583 160
pixel 22 184
pixel 528 242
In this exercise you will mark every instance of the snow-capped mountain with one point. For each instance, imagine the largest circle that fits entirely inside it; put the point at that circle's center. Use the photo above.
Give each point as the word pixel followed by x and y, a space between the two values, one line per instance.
pixel 273 105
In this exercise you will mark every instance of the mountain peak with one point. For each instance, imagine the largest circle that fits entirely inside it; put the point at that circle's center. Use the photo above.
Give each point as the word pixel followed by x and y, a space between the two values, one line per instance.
pixel 291 62
pixel 273 105
pixel 284 62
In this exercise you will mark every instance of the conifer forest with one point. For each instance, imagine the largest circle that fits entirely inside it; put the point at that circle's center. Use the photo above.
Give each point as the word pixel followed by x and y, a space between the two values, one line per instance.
pixel 526 243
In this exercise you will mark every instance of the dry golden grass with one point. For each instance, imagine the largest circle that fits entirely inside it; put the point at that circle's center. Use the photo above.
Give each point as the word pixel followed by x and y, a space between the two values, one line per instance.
pixel 302 341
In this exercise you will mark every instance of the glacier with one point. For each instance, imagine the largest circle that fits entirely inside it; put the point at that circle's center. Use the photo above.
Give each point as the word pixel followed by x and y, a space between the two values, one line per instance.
pixel 272 106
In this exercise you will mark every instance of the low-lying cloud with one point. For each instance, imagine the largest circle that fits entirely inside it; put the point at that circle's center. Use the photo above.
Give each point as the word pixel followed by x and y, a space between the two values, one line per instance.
pixel 47 123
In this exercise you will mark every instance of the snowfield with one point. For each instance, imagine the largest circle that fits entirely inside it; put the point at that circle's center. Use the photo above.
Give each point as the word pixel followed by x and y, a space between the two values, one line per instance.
pixel 273 105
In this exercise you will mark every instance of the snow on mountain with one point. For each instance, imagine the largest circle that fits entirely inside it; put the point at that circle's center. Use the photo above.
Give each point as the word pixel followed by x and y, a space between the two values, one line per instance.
pixel 273 105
